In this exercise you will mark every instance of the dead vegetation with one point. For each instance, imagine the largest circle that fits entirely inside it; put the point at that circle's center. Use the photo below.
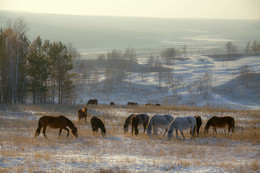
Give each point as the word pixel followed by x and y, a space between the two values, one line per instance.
pixel 232 152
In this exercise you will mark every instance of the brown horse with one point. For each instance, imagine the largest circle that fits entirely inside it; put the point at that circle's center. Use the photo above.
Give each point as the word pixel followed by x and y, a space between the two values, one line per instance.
pixel 220 122
pixel 60 122
pixel 198 124
pixel 134 124
pixel 93 102
pixel 97 123
pixel 82 113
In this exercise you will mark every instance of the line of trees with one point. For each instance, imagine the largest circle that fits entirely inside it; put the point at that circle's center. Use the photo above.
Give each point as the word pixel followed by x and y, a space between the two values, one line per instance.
pixel 37 71
pixel 251 48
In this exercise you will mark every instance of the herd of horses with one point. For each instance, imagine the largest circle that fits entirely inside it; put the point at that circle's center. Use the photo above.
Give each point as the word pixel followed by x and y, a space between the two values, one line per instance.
pixel 150 125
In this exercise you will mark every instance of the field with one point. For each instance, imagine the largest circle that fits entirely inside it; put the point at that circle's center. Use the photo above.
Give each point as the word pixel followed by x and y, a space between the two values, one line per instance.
pixel 123 152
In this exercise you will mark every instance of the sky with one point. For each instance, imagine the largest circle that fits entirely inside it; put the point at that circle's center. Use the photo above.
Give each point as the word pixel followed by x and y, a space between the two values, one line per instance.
pixel 217 9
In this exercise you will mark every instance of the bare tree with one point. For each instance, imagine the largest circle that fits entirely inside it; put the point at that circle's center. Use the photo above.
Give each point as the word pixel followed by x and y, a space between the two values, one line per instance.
pixel 244 74
pixel 231 48
pixel 248 45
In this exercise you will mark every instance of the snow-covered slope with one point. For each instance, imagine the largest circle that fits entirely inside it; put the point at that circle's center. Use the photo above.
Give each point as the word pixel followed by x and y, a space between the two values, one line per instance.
pixel 196 81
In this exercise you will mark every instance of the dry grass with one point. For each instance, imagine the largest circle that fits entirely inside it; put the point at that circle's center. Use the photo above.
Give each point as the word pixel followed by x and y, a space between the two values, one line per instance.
pixel 17 141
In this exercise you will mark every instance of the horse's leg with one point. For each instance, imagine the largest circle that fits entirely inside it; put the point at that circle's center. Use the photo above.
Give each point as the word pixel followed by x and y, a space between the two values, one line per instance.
pixel 144 126
pixel 176 131
pixel 229 129
pixel 198 130
pixel 192 132
pixel 43 131
pixel 60 131
pixel 182 134
pixel 67 131
pixel 165 131
pixel 215 130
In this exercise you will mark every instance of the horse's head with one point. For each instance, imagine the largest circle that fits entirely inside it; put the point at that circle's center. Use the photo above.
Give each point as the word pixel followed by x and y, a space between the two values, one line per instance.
pixel 125 128
pixel 103 132
pixel 75 132
pixel 206 130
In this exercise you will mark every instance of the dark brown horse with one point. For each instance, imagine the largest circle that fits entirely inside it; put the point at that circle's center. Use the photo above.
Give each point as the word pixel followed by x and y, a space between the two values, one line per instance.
pixel 82 113
pixel 112 104
pixel 93 102
pixel 142 119
pixel 97 123
pixel 132 104
pixel 220 122
pixel 198 124
pixel 60 122
pixel 134 123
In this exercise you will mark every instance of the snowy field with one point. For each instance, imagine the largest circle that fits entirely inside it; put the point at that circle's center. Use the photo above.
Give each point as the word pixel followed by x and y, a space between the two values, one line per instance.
pixel 122 152
pixel 144 88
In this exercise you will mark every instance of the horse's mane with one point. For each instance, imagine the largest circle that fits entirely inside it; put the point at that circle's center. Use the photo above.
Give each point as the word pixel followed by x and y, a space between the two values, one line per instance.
pixel 70 123
pixel 208 124
pixel 128 121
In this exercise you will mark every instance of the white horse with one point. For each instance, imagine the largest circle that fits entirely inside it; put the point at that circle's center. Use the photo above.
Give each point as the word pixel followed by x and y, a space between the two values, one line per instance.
pixel 182 123
pixel 162 121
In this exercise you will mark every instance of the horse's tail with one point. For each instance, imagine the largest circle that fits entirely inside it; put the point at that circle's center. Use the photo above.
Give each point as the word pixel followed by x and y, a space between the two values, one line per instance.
pixel 38 130
pixel 149 127
pixel 233 125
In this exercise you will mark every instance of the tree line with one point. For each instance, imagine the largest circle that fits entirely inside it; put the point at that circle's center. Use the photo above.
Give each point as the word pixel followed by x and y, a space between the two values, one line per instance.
pixel 252 48
pixel 37 71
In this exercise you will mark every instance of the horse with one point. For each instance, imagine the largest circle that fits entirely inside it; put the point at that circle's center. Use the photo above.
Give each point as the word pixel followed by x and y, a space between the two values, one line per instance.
pixel 132 104
pixel 156 121
pixel 82 113
pixel 60 122
pixel 198 124
pixel 112 104
pixel 93 102
pixel 220 122
pixel 134 124
pixel 182 123
pixel 142 119
pixel 97 123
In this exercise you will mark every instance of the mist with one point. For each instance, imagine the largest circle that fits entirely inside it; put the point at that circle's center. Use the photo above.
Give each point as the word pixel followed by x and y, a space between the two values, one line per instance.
pixel 102 34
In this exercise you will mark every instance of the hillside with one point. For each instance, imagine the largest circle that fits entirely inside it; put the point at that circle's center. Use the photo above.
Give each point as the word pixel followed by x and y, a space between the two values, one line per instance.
pixel 188 85
pixel 244 93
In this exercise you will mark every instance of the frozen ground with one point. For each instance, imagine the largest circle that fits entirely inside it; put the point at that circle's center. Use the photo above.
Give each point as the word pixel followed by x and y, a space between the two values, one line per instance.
pixel 123 152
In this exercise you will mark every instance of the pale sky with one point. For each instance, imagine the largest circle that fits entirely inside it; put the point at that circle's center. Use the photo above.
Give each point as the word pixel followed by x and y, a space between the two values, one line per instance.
pixel 221 9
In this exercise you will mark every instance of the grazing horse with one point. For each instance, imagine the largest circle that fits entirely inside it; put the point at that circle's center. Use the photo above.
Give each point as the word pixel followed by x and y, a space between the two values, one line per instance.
pixel 93 102
pixel 60 122
pixel 132 104
pixel 182 123
pixel 82 113
pixel 220 122
pixel 156 121
pixel 198 124
pixel 97 123
pixel 112 104
pixel 134 124
pixel 142 119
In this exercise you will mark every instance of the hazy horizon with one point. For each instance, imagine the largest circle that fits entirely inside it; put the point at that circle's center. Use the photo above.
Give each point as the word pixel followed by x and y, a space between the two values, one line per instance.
pixel 214 9
pixel 104 33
